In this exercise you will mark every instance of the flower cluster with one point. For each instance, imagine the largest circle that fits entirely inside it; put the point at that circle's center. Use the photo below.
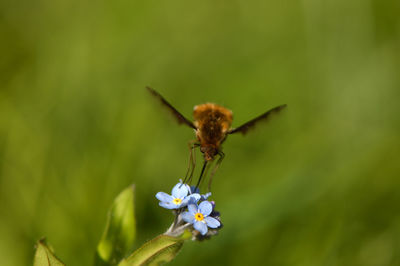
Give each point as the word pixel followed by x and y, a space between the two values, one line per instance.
pixel 192 210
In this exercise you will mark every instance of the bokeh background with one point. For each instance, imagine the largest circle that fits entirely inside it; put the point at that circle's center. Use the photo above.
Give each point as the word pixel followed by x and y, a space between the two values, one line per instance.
pixel 317 185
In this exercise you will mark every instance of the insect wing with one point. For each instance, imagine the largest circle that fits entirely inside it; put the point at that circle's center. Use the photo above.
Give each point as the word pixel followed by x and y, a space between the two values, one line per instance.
pixel 252 123
pixel 179 117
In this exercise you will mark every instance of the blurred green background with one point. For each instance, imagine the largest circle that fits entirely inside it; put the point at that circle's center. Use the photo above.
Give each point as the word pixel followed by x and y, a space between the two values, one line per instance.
pixel 318 185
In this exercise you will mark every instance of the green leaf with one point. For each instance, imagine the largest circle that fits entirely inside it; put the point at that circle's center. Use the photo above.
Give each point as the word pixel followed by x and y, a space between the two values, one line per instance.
pixel 120 231
pixel 44 255
pixel 155 252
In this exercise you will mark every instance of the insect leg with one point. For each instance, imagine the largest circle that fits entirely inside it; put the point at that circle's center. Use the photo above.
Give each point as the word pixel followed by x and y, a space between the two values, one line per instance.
pixel 217 164
pixel 192 161
pixel 201 174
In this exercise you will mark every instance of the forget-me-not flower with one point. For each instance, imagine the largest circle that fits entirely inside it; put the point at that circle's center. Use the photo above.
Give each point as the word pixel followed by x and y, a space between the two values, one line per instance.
pixel 199 217
pixel 179 197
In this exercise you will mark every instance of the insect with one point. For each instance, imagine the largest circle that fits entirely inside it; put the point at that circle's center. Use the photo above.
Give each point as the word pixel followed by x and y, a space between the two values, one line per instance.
pixel 212 125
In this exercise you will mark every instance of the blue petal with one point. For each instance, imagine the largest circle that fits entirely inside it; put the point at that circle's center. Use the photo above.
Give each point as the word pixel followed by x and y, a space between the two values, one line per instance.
pixel 162 196
pixel 184 202
pixel 212 222
pixel 180 191
pixel 167 205
pixel 195 197
pixel 205 196
pixel 205 208
pixel 192 208
pixel 201 227
pixel 187 200
pixel 188 217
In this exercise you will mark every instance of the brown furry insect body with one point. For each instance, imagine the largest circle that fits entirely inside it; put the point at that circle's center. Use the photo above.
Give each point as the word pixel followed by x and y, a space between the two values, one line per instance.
pixel 212 124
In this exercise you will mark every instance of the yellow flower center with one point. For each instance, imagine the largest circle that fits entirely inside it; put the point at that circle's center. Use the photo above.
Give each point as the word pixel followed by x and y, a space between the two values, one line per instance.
pixel 199 217
pixel 177 201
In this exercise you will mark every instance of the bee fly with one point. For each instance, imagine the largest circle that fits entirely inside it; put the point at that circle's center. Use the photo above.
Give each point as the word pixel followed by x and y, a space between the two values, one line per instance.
pixel 212 124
